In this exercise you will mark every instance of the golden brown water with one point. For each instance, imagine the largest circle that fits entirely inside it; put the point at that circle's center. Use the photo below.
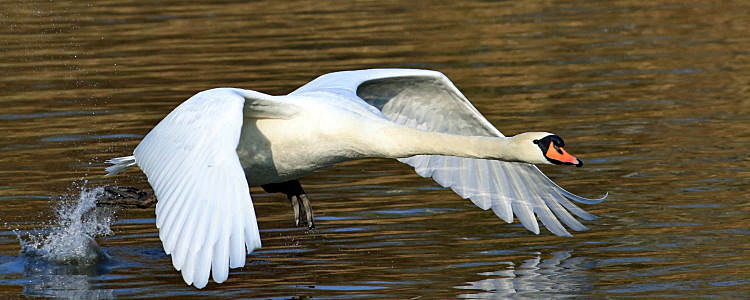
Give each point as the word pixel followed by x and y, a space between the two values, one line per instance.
pixel 653 95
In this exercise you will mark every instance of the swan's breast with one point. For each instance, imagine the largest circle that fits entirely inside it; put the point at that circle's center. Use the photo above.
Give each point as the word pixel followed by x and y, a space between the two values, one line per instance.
pixel 275 150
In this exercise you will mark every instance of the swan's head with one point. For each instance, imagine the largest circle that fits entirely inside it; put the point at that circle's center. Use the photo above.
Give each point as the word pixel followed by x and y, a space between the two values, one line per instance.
pixel 544 148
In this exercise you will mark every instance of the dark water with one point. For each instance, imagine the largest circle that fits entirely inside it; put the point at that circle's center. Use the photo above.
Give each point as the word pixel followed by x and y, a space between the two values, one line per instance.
pixel 653 95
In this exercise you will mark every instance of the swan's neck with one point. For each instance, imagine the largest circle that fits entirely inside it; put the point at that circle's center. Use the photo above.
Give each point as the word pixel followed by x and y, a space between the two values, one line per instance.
pixel 398 142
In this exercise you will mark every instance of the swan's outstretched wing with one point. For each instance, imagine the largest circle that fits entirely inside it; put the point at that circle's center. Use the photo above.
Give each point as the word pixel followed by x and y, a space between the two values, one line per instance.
pixel 429 101
pixel 204 214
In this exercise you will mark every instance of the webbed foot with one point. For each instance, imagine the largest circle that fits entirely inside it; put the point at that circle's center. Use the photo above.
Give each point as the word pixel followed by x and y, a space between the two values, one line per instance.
pixel 126 196
pixel 294 192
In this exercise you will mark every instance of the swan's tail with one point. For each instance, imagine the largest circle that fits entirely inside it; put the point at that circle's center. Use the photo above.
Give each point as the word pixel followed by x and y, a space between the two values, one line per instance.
pixel 119 164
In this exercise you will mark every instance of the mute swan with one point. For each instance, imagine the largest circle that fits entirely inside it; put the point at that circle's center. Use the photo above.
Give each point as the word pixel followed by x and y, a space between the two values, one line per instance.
pixel 201 158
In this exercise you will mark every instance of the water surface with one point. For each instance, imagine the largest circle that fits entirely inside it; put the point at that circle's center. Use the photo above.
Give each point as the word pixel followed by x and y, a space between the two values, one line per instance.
pixel 653 95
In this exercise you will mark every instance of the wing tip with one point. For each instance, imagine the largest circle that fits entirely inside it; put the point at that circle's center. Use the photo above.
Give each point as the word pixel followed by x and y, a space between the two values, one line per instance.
pixel 600 200
pixel 534 230
pixel 200 285
pixel 583 200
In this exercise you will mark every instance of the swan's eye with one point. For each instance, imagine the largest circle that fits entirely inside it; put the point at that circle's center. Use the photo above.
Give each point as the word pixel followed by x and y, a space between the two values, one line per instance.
pixel 558 149
pixel 535 141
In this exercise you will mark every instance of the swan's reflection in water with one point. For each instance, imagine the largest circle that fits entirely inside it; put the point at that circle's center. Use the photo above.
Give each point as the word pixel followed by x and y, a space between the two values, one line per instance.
pixel 40 277
pixel 46 279
pixel 558 276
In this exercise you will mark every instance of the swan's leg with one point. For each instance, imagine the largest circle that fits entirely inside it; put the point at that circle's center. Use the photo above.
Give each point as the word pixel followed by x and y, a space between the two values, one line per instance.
pixel 295 207
pixel 308 211
pixel 294 192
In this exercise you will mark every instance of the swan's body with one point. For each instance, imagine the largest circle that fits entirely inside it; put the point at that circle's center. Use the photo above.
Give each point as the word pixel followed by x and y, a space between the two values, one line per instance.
pixel 201 158
pixel 275 150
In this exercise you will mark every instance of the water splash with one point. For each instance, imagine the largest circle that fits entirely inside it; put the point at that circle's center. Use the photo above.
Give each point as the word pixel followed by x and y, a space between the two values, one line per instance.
pixel 70 238
pixel 60 260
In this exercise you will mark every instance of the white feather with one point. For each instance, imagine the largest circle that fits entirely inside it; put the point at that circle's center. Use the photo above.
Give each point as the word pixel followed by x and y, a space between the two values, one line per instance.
pixel 191 162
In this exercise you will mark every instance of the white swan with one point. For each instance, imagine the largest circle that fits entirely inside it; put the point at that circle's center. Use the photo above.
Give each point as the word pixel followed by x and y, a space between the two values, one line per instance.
pixel 201 158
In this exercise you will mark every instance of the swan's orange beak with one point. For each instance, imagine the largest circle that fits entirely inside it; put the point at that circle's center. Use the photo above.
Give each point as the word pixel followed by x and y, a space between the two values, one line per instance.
pixel 559 154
